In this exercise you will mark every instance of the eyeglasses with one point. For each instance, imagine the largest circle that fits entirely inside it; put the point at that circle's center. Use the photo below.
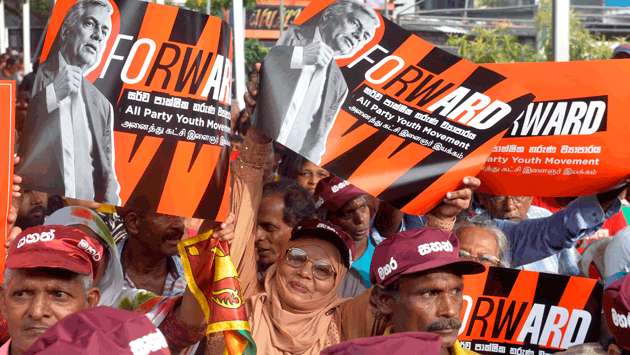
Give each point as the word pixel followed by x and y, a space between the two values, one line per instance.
pixel 484 259
pixel 322 270
pixel 517 200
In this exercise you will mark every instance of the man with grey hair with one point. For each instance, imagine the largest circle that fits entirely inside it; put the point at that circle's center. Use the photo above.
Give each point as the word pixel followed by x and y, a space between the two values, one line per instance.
pixel 304 88
pixel 49 275
pixel 480 240
pixel 67 145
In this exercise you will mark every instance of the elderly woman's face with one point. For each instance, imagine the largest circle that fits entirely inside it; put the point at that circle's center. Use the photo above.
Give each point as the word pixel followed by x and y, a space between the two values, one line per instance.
pixel 308 282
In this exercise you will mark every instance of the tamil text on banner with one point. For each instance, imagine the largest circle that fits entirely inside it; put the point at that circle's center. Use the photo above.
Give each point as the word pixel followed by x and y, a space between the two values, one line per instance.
pixel 7 127
pixel 507 311
pixel 575 130
pixel 131 105
pixel 372 103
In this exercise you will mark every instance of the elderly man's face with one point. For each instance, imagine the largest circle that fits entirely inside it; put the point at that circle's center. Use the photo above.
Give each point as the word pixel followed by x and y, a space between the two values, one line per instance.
pixel 345 34
pixel 479 244
pixel 86 40
pixel 34 300
pixel 429 302
pixel 272 232
pixel 506 207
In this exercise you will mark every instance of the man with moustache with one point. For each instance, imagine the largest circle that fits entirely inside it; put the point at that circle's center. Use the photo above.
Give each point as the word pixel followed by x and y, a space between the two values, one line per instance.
pixel 49 275
pixel 67 145
pixel 149 255
pixel 418 277
pixel 32 209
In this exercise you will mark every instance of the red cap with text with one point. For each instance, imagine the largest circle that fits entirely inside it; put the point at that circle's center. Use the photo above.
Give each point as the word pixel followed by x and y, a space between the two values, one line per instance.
pixel 101 330
pixel 418 250
pixel 332 193
pixel 616 307
pixel 395 344
pixel 55 246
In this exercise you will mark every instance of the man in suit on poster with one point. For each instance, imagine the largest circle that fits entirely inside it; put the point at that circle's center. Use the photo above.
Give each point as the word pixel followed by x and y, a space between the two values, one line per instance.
pixel 67 146
pixel 304 86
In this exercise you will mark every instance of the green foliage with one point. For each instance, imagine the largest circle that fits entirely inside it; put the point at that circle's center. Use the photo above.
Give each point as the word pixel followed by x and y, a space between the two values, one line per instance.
pixel 217 6
pixel 497 45
pixel 41 8
pixel 255 52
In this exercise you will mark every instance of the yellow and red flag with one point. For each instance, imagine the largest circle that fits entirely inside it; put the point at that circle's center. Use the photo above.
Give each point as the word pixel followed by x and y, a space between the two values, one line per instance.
pixel 213 279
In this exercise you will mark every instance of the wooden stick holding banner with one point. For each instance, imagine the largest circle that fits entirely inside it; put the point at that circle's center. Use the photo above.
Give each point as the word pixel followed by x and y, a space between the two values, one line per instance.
pixel 7 127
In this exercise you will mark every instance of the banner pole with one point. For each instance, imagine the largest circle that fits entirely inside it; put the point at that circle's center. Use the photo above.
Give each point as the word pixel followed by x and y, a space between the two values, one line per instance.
pixel 239 51
pixel 26 35
pixel 561 13
pixel 3 45
pixel 209 7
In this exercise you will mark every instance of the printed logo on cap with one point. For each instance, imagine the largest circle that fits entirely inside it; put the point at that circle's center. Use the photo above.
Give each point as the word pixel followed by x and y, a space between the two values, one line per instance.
pixel 36 237
pixel 325 226
pixel 339 186
pixel 148 344
pixel 83 244
pixel 387 269
pixel 620 320
pixel 435 247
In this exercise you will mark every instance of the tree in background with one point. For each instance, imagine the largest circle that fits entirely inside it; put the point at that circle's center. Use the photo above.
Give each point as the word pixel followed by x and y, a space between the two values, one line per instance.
pixel 497 45
pixel 255 52
pixel 218 7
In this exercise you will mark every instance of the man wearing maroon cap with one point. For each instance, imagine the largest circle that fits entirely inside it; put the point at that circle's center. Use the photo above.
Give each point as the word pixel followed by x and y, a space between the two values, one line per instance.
pixel 49 275
pixel 350 208
pixel 418 277
pixel 616 308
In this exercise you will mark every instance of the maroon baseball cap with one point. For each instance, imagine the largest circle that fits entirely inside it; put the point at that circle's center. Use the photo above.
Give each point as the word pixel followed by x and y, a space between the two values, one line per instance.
pixel 616 307
pixel 418 250
pixel 316 228
pixel 55 246
pixel 395 344
pixel 101 330
pixel 332 193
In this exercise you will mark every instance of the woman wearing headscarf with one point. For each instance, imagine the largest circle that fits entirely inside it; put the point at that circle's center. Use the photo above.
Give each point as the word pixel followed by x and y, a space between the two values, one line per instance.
pixel 299 312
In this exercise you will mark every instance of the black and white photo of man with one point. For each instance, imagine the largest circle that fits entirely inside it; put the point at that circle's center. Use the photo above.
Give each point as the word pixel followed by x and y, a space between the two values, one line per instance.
pixel 67 147
pixel 307 86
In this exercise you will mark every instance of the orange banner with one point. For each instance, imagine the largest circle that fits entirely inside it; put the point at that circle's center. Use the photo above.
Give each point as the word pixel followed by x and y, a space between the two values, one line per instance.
pixel 507 311
pixel 131 106
pixel 572 139
pixel 393 114
pixel 7 126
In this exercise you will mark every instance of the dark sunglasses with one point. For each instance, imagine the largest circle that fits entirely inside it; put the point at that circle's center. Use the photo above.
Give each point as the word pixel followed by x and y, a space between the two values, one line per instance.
pixel 322 270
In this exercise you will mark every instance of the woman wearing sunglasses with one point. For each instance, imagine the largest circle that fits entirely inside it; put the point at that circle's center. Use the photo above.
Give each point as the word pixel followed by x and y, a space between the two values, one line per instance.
pixel 299 312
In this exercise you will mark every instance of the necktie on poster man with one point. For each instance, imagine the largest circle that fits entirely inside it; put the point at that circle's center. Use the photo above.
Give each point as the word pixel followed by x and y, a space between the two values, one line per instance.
pixel 396 116
pixel 572 140
pixel 148 123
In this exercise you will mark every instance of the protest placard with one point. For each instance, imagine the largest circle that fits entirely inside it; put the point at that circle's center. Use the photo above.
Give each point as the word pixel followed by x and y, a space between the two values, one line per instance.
pixel 131 106
pixel 377 105
pixel 7 127
pixel 575 130
pixel 507 311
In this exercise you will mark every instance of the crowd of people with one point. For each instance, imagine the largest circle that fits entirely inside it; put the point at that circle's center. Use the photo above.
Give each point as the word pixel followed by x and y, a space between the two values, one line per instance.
pixel 323 266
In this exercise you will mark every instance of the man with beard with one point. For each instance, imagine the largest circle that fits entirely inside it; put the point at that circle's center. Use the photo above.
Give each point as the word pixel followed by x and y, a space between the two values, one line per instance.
pixel 149 255
pixel 305 87
pixel 67 143
pixel 49 274
pixel 32 209
pixel 418 277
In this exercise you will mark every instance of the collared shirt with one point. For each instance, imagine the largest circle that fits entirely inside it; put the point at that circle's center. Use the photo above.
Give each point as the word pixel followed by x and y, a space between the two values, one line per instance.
pixel 4 350
pixel 76 141
pixel 306 99
pixel 175 283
